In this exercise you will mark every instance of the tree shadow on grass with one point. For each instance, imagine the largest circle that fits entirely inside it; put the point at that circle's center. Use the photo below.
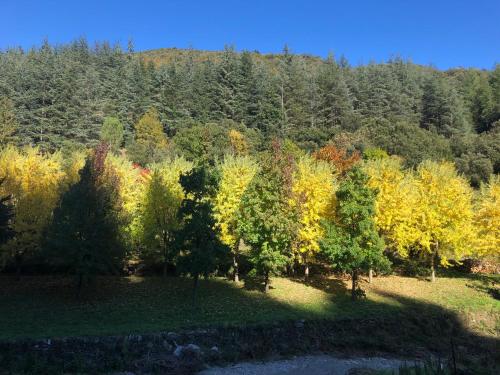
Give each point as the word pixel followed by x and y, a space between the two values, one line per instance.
pixel 244 325
pixel 255 283
pixel 334 286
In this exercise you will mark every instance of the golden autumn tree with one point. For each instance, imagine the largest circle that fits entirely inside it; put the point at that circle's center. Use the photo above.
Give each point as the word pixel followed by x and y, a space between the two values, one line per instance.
pixel 239 145
pixel 159 213
pixel 72 164
pixel 396 202
pixel 237 173
pixel 313 196
pixel 131 189
pixel 442 224
pixel 487 220
pixel 151 143
pixel 35 182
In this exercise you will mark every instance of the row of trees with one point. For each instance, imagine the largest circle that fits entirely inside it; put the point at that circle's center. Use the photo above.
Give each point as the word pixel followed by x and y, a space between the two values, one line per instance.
pixel 55 96
pixel 280 209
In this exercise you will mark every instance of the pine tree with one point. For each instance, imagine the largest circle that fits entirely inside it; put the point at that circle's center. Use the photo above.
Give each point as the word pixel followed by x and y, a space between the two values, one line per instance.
pixel 352 242
pixel 200 250
pixel 8 122
pixel 442 109
pixel 267 222
pixel 85 232
pixel 335 107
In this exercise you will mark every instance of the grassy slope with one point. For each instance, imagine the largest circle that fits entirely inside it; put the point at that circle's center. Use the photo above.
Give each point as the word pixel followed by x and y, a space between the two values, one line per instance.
pixel 46 307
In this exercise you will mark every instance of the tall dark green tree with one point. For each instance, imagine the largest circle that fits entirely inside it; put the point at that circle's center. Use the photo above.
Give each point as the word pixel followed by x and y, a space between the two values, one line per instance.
pixel 267 221
pixel 335 108
pixel 84 236
pixel 200 250
pixel 352 242
pixel 227 86
pixel 442 109
pixel 8 122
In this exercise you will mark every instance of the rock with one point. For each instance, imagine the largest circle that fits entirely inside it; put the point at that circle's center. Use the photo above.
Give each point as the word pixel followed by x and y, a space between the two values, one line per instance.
pixel 363 371
pixel 214 353
pixel 187 351
pixel 173 336
pixel 300 323
pixel 166 345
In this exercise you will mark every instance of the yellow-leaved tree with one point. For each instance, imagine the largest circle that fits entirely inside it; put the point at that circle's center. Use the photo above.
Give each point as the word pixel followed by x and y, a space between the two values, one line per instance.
pixel 442 221
pixel 159 213
pixel 131 188
pixel 239 145
pixel 396 203
pixel 237 173
pixel 487 220
pixel 314 197
pixel 35 182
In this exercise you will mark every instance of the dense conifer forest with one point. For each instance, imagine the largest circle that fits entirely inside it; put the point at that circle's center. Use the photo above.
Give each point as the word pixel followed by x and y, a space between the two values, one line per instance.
pixel 57 96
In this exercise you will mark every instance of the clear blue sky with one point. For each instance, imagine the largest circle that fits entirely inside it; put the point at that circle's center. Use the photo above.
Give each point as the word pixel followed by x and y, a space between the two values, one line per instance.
pixel 446 33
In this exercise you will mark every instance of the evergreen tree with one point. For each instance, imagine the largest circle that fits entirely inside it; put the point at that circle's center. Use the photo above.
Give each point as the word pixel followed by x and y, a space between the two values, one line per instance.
pixel 200 250
pixel 267 221
pixel 335 108
pixel 112 133
pixel 442 109
pixel 84 235
pixel 352 242
pixel 8 122
pixel 227 88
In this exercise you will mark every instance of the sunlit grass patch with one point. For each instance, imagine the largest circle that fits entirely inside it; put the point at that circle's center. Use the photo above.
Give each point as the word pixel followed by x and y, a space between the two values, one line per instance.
pixel 48 307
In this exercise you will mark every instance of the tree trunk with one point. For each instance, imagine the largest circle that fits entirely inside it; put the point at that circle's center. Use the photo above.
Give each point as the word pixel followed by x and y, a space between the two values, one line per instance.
pixel 236 270
pixel 165 254
pixel 236 276
pixel 266 283
pixel 195 287
pixel 354 284
pixel 370 275
pixel 306 268
pixel 79 286
pixel 433 260
pixel 18 259
pixel 165 268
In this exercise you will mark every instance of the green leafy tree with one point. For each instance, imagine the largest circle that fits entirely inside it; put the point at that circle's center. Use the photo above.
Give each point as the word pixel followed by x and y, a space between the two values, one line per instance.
pixel 6 214
pixel 8 122
pixel 267 221
pixel 150 140
pixel 85 232
pixel 112 133
pixel 237 173
pixel 200 250
pixel 352 242
pixel 160 211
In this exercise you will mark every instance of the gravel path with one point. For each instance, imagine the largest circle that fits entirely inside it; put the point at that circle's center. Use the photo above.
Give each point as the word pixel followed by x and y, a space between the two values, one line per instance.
pixel 309 365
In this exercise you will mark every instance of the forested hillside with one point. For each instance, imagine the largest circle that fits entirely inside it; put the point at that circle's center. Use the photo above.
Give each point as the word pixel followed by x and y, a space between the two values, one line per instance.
pixel 56 96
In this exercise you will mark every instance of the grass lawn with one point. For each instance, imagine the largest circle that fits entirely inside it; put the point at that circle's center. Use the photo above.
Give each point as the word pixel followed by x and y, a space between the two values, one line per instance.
pixel 41 307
